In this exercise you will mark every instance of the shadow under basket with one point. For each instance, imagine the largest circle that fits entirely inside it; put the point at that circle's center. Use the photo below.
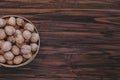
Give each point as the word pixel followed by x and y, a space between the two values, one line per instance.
pixel 34 55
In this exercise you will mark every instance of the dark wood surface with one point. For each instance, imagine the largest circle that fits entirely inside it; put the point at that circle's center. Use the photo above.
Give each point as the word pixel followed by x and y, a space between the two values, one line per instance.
pixel 80 39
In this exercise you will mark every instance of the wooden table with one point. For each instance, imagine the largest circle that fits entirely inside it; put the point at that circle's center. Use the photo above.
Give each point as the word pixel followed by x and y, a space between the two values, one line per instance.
pixel 80 39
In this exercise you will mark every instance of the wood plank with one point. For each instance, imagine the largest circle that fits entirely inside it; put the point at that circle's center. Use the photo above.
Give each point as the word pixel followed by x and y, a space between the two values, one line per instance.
pixel 39 78
pixel 80 39
pixel 99 66
pixel 43 66
pixel 93 4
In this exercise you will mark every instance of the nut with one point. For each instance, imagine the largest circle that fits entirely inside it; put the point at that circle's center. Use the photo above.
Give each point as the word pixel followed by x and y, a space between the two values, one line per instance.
pixel 1 41
pixel 19 39
pixel 15 50
pixel 2 34
pixel 18 60
pixel 6 46
pixel 10 62
pixel 18 32
pixel 12 21
pixel 34 46
pixel 9 55
pixel 20 45
pixel 9 30
pixel 2 22
pixel 2 59
pixel 35 37
pixel 27 34
pixel 29 27
pixel 20 22
pixel 1 52
pixel 25 49
pixel 11 39
pixel 27 56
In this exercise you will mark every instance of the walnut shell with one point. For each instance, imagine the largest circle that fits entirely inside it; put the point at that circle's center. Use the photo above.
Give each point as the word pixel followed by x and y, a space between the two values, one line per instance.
pixel 12 21
pixel 2 34
pixel 6 46
pixel 27 34
pixel 25 49
pixel 2 59
pixel 35 37
pixel 11 39
pixel 18 60
pixel 29 27
pixel 1 52
pixel 20 22
pixel 19 39
pixel 1 42
pixel 2 22
pixel 34 46
pixel 15 50
pixel 9 55
pixel 9 30
pixel 10 62
pixel 18 32
pixel 27 56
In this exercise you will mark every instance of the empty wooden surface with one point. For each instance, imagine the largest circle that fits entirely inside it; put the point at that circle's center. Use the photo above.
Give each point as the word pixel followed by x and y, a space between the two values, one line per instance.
pixel 80 39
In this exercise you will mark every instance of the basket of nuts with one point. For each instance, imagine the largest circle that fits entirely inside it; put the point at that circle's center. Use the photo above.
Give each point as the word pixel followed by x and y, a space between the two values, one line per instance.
pixel 19 41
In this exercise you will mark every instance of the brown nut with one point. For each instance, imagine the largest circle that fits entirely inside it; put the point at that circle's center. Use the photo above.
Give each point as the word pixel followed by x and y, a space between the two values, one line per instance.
pixel 2 22
pixel 9 55
pixel 20 22
pixel 19 39
pixel 15 50
pixel 11 39
pixel 10 62
pixel 1 52
pixel 9 30
pixel 6 46
pixel 35 37
pixel 34 46
pixel 25 49
pixel 2 34
pixel 18 60
pixel 2 59
pixel 27 56
pixel 12 21
pixel 27 34
pixel 29 27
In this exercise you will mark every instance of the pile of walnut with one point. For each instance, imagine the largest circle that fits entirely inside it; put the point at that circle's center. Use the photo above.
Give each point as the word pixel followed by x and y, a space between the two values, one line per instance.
pixel 18 40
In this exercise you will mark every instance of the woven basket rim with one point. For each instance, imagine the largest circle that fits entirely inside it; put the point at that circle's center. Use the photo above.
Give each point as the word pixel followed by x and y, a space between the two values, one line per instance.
pixel 34 55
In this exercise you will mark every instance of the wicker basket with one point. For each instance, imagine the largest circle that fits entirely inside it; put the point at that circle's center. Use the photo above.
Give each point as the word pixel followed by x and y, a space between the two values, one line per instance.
pixel 34 55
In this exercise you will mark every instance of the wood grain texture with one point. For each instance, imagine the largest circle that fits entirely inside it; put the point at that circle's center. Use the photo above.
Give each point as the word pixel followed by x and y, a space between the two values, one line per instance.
pixel 80 39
